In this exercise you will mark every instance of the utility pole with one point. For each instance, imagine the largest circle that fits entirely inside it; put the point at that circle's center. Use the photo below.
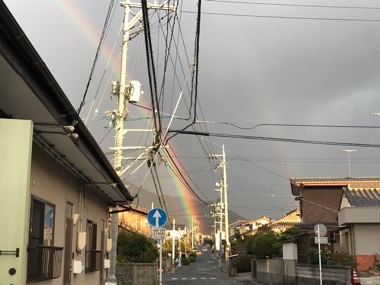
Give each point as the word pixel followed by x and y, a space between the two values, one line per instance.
pixel 226 223
pixel 173 246
pixel 224 203
pixel 124 93
pixel 220 204
pixel 192 232
pixel 119 118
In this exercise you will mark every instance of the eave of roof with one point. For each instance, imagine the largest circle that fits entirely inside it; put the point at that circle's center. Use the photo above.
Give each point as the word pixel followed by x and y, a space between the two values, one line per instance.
pixel 362 197
pixel 297 184
pixel 17 50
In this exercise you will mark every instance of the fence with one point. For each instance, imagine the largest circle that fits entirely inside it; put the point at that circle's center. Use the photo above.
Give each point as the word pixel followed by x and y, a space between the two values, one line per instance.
pixel 44 263
pixel 137 274
pixel 287 272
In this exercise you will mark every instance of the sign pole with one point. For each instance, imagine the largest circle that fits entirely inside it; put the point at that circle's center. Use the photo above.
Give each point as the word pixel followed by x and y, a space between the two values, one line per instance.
pixel 160 264
pixel 157 219
pixel 320 230
pixel 319 255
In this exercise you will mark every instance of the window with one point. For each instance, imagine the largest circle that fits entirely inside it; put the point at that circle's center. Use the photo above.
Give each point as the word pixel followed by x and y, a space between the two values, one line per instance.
pixel 44 260
pixel 69 210
pixel 93 256
pixel 42 223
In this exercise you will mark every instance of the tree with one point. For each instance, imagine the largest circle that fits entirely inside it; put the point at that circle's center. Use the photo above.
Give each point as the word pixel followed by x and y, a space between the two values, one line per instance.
pixel 136 248
pixel 289 233
pixel 262 244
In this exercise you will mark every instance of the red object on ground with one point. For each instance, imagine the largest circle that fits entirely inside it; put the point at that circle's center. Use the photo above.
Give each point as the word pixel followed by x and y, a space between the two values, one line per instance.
pixel 355 279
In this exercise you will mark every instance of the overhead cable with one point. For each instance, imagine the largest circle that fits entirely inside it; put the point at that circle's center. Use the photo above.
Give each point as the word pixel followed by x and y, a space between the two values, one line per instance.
pixel 296 5
pixel 285 17
pixel 105 27
pixel 275 139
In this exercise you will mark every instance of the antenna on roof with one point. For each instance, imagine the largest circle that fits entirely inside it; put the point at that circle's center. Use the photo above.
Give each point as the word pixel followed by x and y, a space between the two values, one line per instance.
pixel 349 159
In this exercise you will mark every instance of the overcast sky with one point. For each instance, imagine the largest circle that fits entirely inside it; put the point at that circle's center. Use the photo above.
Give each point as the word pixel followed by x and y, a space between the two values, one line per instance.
pixel 261 63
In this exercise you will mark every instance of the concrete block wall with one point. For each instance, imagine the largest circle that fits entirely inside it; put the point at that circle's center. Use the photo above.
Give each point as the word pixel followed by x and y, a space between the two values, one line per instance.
pixel 137 274
pixel 330 274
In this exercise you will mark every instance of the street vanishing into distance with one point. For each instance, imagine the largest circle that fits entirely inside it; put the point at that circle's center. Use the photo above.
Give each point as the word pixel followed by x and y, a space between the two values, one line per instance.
pixel 205 270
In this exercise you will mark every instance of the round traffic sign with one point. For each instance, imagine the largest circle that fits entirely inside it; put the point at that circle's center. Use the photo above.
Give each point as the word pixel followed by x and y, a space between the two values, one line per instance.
pixel 157 218
pixel 321 228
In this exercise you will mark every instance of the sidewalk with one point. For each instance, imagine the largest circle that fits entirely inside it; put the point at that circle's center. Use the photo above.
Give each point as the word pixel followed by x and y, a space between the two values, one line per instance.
pixel 369 280
pixel 246 277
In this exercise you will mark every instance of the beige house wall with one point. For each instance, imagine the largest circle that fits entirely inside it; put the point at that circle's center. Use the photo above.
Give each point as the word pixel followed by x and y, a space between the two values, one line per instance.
pixel 54 184
pixel 366 239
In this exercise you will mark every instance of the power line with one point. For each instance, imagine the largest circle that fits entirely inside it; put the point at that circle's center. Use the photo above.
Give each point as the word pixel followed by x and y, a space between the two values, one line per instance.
pixel 288 125
pixel 295 140
pixel 276 139
pixel 285 17
pixel 105 28
pixel 296 5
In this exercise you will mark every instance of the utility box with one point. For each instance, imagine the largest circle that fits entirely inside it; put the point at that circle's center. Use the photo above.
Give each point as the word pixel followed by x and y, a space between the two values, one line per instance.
pixel 78 266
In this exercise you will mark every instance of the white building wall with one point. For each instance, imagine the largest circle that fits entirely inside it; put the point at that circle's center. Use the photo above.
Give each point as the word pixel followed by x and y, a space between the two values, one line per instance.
pixel 290 251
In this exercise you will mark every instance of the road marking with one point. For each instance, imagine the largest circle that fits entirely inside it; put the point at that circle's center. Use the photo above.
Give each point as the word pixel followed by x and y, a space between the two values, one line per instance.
pixel 191 278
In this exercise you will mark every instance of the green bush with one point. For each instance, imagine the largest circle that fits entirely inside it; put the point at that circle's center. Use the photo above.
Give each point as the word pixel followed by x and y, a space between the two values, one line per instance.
pixel 349 260
pixel 243 263
pixel 314 256
pixel 193 254
pixel 262 244
pixel 376 263
pixel 192 259
pixel 186 261
pixel 135 247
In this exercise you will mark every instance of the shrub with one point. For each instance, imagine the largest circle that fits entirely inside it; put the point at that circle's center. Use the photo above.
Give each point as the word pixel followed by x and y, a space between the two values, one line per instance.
pixel 135 247
pixel 262 244
pixel 185 261
pixel 376 264
pixel 193 254
pixel 192 259
pixel 314 257
pixel 349 260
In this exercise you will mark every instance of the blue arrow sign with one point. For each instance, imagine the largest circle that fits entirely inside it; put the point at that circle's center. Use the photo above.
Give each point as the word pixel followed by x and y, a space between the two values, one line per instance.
pixel 157 218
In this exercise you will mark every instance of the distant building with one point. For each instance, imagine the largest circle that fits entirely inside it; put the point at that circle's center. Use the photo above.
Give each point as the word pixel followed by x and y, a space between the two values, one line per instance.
pixel 247 227
pixel 290 219
pixel 135 220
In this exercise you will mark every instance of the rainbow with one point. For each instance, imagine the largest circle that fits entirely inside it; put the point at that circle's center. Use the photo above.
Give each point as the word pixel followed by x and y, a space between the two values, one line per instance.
pixel 72 11
pixel 187 201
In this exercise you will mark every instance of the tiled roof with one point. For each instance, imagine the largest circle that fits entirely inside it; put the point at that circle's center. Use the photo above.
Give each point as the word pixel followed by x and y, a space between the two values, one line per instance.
pixel 363 197
pixel 291 218
pixel 312 225
pixel 334 180
pixel 353 182
pixel 238 223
